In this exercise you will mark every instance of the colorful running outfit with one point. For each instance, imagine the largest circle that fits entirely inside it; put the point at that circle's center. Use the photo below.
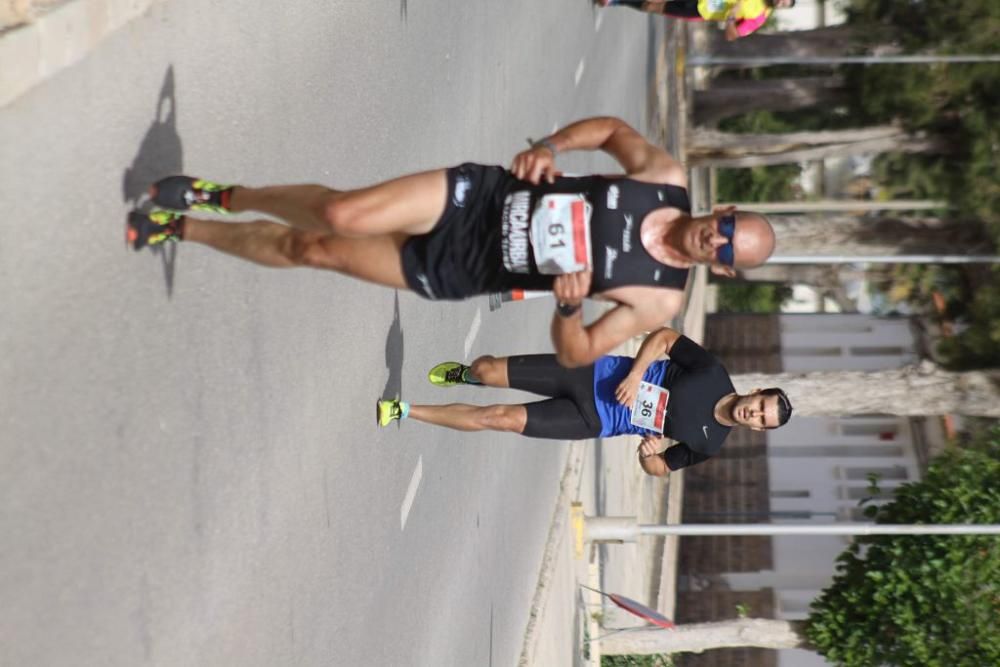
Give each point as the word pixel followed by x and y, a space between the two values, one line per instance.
pixel 678 394
pixel 750 15
pixel 499 233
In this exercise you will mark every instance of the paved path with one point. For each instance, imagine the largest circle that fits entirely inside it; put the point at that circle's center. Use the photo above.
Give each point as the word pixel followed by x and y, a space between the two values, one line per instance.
pixel 188 469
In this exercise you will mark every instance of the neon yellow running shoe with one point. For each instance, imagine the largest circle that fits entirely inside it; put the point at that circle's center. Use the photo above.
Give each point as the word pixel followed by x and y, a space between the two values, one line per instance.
pixel 184 193
pixel 153 228
pixel 450 374
pixel 389 411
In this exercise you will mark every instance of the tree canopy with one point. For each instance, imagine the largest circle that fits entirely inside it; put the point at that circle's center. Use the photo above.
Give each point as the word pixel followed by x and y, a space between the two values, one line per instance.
pixel 956 102
pixel 927 601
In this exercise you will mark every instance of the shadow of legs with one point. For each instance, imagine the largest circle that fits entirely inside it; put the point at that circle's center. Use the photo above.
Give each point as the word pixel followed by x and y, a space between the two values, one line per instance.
pixel 160 154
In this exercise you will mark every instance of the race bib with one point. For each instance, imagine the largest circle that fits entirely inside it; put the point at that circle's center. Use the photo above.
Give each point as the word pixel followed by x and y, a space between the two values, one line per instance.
pixel 560 233
pixel 650 408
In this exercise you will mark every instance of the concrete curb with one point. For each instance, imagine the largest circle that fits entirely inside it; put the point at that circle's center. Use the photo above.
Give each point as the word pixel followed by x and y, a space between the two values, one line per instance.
pixel 33 52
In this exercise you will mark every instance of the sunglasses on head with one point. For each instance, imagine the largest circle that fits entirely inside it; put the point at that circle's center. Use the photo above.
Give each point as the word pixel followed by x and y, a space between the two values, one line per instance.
pixel 725 253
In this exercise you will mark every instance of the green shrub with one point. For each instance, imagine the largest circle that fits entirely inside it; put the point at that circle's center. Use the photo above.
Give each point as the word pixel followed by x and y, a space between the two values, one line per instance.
pixel 749 297
pixel 921 601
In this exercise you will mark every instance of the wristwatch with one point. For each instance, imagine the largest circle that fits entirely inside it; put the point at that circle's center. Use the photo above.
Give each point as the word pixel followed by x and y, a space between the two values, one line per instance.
pixel 545 143
pixel 567 309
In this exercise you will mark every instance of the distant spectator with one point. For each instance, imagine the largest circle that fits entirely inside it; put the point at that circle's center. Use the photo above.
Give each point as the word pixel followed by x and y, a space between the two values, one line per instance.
pixel 742 17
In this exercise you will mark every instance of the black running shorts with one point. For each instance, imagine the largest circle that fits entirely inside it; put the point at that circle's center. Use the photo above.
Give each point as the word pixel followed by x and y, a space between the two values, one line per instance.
pixel 460 257
pixel 570 413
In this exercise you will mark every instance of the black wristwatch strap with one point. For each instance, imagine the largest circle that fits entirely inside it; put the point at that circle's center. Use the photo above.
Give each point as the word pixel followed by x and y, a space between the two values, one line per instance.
pixel 567 309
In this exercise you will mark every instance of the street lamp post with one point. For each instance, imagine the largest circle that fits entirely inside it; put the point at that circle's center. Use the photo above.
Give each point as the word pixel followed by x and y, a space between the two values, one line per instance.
pixel 628 529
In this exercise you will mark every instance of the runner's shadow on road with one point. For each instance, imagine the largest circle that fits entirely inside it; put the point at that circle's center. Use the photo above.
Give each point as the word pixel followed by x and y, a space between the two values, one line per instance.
pixel 160 154
pixel 402 10
pixel 394 356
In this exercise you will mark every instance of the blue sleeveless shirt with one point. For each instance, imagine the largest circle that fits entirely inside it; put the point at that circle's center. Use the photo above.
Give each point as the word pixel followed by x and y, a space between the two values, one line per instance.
pixel 608 373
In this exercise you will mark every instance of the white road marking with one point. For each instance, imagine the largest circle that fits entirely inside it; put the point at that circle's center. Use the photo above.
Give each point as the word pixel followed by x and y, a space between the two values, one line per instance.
pixel 597 21
pixel 411 492
pixel 555 128
pixel 579 73
pixel 473 332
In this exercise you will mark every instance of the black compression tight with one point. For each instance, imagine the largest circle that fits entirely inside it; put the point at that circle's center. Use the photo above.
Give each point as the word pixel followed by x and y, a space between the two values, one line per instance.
pixel 681 9
pixel 570 412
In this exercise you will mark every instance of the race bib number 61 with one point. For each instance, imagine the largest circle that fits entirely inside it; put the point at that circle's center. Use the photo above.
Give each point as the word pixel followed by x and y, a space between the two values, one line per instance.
pixel 650 408
pixel 560 234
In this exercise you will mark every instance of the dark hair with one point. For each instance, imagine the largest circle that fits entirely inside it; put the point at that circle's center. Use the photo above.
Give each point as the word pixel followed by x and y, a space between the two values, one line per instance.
pixel 784 405
pixel 770 3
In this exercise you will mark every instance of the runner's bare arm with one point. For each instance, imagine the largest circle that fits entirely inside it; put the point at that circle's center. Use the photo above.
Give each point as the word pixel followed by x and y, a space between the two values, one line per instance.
pixel 639 158
pixel 656 345
pixel 579 345
pixel 732 32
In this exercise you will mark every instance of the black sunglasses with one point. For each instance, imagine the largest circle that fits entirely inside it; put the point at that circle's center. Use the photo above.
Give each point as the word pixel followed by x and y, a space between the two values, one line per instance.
pixel 725 253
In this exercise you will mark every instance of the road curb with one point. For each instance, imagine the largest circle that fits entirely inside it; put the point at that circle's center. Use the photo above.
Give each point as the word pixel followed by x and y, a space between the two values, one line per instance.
pixel 53 41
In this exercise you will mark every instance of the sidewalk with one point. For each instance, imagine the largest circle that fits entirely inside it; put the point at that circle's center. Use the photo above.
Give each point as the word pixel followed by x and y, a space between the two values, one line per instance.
pixel 602 478
pixel 39 38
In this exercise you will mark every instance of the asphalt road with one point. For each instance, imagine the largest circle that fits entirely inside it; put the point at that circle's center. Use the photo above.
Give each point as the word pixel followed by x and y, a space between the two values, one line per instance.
pixel 190 473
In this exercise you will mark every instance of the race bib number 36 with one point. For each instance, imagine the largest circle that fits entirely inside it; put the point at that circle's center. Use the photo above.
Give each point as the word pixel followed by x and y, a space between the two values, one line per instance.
pixel 650 408
pixel 560 233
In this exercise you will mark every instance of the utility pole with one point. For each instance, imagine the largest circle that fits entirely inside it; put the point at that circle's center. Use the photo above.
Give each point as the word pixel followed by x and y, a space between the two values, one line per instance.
pixel 883 259
pixel 708 60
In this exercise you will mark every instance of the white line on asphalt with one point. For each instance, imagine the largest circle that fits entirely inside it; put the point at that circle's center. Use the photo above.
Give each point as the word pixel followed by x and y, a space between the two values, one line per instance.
pixel 555 128
pixel 473 332
pixel 579 73
pixel 411 491
pixel 597 21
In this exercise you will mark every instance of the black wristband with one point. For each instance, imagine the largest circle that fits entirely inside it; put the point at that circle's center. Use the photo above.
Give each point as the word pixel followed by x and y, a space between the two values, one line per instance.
pixel 567 309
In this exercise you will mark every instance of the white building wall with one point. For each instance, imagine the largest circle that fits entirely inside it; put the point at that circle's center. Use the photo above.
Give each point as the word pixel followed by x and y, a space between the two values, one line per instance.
pixel 816 342
pixel 818 465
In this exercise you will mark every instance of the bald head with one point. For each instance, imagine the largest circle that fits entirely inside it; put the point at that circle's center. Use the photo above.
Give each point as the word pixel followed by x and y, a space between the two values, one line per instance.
pixel 753 239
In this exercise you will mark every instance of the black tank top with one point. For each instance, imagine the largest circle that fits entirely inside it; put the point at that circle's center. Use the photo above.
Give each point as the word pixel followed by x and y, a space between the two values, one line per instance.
pixel 618 258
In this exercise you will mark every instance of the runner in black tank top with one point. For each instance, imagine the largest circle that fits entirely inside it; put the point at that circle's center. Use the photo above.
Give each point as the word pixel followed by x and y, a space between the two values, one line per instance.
pixel 618 205
pixel 440 232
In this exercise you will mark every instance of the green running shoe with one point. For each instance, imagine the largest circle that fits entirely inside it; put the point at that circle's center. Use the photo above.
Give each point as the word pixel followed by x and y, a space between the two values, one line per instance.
pixel 183 193
pixel 387 412
pixel 450 374
pixel 153 228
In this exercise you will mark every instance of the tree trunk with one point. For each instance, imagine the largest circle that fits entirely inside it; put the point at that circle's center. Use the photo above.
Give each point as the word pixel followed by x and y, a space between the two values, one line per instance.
pixel 698 637
pixel 838 40
pixel 729 97
pixel 713 142
pixel 911 391
pixel 710 148
pixel 852 235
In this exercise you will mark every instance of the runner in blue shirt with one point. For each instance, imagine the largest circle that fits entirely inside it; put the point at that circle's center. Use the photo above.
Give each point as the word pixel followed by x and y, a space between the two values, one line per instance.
pixel 688 398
